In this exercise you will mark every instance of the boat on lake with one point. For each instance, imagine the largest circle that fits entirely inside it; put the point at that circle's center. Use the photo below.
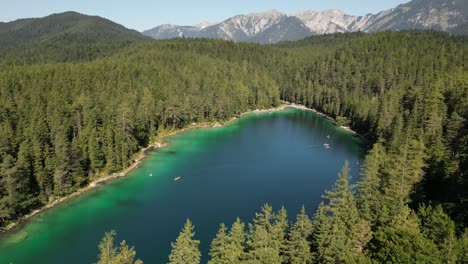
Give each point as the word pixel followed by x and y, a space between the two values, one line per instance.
pixel 177 178
pixel 326 145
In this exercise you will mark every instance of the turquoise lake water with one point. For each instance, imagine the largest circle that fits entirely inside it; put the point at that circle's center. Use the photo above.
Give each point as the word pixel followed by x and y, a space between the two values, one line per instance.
pixel 276 158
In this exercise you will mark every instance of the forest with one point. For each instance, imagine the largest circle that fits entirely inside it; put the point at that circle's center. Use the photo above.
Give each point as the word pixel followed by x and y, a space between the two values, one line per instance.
pixel 66 120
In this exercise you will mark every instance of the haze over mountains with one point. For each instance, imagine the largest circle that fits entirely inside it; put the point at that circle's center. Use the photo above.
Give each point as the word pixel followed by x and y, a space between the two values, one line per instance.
pixel 274 26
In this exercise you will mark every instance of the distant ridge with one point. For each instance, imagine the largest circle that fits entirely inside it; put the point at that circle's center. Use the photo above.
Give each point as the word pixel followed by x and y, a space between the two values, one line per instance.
pixel 55 26
pixel 274 26
pixel 68 36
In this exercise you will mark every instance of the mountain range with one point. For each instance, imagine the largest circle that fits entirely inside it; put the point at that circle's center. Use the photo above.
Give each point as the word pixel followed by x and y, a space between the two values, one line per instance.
pixel 274 26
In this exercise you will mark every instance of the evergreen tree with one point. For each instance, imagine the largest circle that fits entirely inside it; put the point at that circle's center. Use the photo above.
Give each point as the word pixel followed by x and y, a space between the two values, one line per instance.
pixel 298 244
pixel 405 170
pixel 107 248
pixel 110 254
pixel 369 191
pixel 126 255
pixel 462 248
pixel 185 249
pixel 8 203
pixel 263 245
pixel 339 216
pixel 219 247
pixel 438 227
pixel 264 218
pixel 280 230
pixel 402 242
pixel 236 242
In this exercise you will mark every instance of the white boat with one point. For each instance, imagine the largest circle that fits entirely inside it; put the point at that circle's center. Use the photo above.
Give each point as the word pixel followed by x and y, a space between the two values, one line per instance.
pixel 177 178
pixel 326 145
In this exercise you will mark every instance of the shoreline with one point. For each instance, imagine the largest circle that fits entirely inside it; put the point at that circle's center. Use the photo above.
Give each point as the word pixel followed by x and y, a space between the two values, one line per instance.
pixel 302 107
pixel 160 143
pixel 92 185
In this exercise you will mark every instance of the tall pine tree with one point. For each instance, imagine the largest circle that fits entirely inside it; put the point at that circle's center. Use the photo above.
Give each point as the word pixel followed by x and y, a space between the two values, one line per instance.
pixel 185 249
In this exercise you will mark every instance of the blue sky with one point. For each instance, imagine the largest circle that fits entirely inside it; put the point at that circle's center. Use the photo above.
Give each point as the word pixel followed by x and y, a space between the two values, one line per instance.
pixel 146 14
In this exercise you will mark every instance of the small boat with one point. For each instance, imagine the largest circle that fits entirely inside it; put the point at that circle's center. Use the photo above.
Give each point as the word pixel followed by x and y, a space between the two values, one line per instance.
pixel 326 145
pixel 177 178
pixel 328 136
pixel 151 174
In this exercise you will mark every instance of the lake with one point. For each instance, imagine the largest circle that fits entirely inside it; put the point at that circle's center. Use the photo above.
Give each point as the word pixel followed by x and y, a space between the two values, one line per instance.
pixel 276 158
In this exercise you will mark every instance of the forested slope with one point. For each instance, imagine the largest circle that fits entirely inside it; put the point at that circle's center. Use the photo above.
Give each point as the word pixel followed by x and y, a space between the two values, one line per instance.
pixel 405 91
pixel 61 124
pixel 396 88
pixel 63 37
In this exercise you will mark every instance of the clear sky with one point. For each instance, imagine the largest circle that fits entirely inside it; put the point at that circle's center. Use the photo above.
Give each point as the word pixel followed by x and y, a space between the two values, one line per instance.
pixel 146 14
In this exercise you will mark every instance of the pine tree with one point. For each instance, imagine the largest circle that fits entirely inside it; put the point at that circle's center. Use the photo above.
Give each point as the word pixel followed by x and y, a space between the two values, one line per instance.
pixel 333 233
pixel 369 191
pixel 438 227
pixel 236 242
pixel 25 183
pixel 110 254
pixel 126 255
pixel 402 242
pixel 298 244
pixel 360 237
pixel 405 170
pixel 185 249
pixel 8 189
pixel 264 218
pixel 107 248
pixel 462 248
pixel 434 112
pixel 280 230
pixel 263 245
pixel 218 249
pixel 62 150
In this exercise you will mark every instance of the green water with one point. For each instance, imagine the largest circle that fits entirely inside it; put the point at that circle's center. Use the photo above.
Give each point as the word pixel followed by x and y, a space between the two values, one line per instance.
pixel 275 158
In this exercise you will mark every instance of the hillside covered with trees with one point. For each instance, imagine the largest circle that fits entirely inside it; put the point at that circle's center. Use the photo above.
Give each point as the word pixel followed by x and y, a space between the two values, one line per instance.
pixel 63 37
pixel 66 120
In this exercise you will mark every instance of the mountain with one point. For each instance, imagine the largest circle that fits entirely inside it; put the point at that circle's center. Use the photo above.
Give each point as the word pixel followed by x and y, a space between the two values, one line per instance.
pixel 328 21
pixel 417 14
pixel 204 24
pixel 88 29
pixel 243 27
pixel 266 27
pixel 171 31
pixel 62 37
pixel 290 28
pixel 420 14
pixel 274 26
